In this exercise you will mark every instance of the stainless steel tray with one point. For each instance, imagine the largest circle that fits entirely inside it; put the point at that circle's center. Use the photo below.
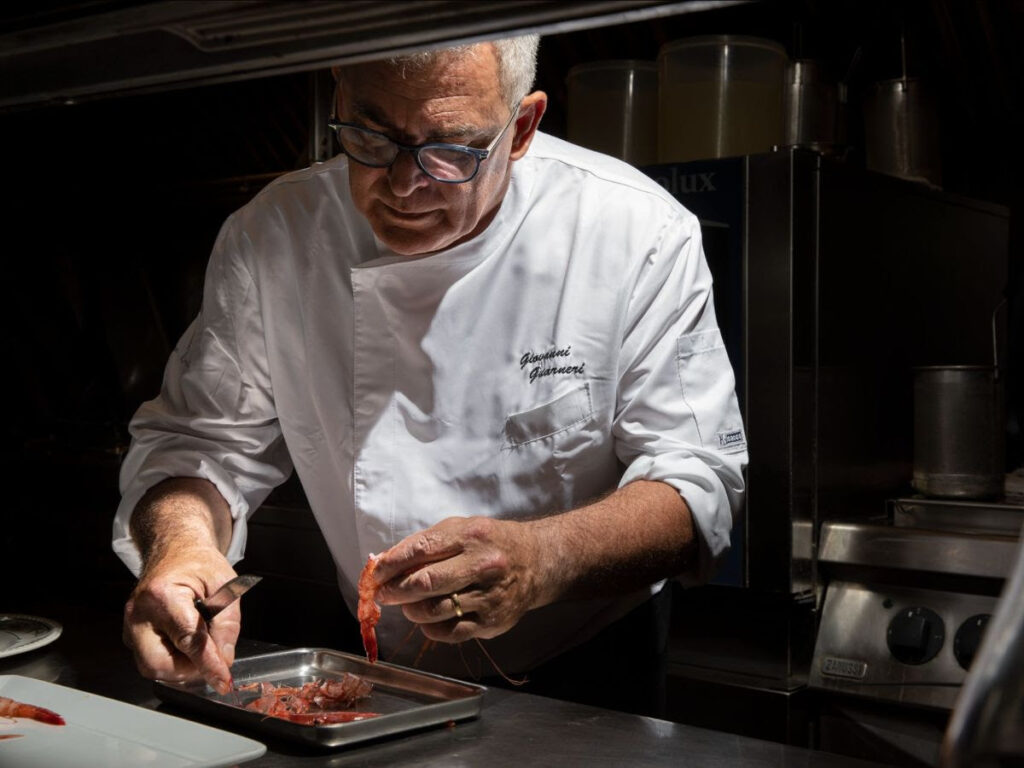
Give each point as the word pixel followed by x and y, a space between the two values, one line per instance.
pixel 405 699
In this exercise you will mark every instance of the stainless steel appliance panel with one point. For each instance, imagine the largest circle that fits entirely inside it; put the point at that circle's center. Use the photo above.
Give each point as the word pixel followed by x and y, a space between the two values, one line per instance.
pixel 860 625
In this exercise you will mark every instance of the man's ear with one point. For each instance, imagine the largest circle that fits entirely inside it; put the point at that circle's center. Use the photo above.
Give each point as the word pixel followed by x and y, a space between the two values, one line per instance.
pixel 531 110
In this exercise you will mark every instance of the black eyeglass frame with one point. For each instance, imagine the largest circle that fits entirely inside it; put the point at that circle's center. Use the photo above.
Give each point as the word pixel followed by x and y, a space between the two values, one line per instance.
pixel 479 154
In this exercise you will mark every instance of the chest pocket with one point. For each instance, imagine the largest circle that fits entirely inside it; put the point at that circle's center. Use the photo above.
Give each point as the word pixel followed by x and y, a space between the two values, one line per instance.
pixel 567 412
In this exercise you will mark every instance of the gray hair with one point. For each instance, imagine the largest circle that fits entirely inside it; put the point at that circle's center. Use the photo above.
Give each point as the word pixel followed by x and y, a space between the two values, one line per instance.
pixel 517 63
pixel 517 66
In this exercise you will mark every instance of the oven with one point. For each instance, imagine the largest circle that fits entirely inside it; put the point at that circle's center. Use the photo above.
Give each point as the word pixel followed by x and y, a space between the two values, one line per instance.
pixel 907 603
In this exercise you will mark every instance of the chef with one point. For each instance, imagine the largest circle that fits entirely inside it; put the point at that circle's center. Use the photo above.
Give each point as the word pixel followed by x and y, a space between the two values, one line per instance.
pixel 489 355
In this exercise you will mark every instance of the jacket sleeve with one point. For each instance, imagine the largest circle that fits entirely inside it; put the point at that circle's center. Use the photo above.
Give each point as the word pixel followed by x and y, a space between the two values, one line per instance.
pixel 677 418
pixel 214 417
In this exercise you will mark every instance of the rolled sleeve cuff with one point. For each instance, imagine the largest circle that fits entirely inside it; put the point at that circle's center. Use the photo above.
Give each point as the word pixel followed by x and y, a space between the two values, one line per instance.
pixel 712 487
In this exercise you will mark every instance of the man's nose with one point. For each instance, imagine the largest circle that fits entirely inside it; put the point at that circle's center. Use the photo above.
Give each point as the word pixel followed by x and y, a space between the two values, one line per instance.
pixel 405 176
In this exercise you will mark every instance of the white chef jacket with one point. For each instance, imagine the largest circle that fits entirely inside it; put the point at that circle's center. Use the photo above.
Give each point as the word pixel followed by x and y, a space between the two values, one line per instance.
pixel 570 348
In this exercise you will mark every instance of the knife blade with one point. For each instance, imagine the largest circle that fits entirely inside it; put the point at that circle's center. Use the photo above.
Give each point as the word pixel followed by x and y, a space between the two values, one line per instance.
pixel 225 596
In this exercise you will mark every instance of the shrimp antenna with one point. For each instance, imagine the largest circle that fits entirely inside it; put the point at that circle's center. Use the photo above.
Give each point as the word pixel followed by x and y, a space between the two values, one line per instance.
pixel 498 669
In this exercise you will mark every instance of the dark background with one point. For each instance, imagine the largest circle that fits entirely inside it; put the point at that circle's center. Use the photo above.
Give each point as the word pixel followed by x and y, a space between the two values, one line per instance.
pixel 111 207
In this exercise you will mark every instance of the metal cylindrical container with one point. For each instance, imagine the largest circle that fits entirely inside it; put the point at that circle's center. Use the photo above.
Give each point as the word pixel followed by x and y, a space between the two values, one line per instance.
pixel 901 130
pixel 613 108
pixel 959 437
pixel 814 107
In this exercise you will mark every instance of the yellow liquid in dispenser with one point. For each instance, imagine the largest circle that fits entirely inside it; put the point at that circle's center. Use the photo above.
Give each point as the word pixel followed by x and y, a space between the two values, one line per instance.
pixel 698 120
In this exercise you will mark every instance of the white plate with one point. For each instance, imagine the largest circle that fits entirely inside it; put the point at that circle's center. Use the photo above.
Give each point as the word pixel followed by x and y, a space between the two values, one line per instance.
pixel 20 633
pixel 104 733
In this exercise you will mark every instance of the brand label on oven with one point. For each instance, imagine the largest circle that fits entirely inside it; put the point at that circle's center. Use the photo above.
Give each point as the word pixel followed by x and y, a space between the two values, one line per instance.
pixel 849 668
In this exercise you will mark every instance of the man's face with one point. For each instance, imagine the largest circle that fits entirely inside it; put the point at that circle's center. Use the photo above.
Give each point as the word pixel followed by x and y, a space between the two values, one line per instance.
pixel 456 102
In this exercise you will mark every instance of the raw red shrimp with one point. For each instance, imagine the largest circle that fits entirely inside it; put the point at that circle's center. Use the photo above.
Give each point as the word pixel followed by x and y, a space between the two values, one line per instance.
pixel 12 708
pixel 368 611
pixel 337 693
pixel 314 703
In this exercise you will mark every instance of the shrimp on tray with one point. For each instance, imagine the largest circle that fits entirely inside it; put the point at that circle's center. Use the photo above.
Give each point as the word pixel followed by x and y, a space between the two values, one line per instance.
pixel 368 612
pixel 12 708
pixel 319 702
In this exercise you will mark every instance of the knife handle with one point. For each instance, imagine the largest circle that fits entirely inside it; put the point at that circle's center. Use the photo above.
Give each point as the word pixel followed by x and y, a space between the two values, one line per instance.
pixel 203 610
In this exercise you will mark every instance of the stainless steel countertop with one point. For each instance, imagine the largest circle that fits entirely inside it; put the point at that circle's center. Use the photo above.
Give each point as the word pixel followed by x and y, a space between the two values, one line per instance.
pixel 514 729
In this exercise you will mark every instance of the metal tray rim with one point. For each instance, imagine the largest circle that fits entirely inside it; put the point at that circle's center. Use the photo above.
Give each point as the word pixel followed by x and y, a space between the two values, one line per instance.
pixel 422 715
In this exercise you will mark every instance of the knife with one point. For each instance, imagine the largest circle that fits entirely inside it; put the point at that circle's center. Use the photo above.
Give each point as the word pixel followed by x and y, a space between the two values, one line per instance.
pixel 225 596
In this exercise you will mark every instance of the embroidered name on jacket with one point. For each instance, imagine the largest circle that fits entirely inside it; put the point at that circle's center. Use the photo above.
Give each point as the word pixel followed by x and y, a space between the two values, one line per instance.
pixel 556 361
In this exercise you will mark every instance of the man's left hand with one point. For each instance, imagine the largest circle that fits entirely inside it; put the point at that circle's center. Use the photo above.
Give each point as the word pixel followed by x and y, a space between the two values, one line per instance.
pixel 487 570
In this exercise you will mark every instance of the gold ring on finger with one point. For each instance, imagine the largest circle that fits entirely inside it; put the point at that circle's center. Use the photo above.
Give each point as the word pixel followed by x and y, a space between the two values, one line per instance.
pixel 456 604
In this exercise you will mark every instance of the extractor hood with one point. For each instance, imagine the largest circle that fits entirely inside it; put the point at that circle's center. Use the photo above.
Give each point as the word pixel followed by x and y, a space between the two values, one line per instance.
pixel 83 50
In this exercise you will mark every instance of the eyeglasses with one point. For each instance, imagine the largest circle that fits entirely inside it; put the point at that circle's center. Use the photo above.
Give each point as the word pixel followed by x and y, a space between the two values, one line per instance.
pixel 449 163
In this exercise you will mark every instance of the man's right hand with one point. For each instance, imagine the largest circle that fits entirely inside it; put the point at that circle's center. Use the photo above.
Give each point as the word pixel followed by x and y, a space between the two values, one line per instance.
pixel 165 632
pixel 182 527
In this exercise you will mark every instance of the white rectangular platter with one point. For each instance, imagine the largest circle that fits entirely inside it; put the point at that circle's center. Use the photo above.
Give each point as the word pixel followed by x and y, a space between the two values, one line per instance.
pixel 106 733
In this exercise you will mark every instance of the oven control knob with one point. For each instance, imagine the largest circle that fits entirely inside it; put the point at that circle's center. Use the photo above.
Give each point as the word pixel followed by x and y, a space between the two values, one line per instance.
pixel 915 635
pixel 968 639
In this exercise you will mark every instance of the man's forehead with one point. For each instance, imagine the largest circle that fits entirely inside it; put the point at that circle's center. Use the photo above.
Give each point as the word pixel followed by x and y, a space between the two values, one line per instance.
pixel 452 98
pixel 436 125
pixel 445 76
